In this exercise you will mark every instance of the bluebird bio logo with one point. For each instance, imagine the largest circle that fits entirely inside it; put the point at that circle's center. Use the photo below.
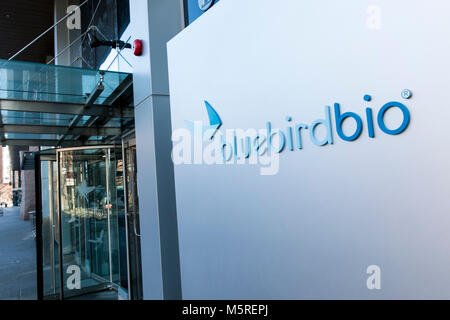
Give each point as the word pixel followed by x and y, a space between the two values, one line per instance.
pixel 205 4
pixel 214 121
pixel 264 146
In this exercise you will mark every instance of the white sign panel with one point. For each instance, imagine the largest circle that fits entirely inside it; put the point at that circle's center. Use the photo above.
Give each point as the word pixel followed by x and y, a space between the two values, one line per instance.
pixel 311 150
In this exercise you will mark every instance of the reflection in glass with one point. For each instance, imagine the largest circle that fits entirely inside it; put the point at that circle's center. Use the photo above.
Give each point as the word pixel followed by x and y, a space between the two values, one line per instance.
pixel 89 219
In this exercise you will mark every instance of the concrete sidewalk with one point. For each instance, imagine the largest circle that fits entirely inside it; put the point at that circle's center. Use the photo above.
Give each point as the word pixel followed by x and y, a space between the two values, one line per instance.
pixel 17 257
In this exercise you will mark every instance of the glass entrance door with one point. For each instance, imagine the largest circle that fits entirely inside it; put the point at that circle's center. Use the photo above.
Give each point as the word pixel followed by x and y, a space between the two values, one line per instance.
pixel 89 227
pixel 89 212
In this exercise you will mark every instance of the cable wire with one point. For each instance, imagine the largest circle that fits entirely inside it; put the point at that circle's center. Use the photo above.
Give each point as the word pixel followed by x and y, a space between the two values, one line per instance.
pixel 46 31
pixel 92 18
pixel 70 45
pixel 83 35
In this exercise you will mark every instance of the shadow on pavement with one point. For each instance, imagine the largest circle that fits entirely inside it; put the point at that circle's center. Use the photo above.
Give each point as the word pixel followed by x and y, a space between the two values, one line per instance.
pixel 17 257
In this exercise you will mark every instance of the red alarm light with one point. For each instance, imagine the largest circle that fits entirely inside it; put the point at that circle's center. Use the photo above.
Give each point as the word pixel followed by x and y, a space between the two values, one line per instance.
pixel 138 48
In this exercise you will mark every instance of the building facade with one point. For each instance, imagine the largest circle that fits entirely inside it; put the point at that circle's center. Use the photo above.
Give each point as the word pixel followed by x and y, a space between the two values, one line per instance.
pixel 241 150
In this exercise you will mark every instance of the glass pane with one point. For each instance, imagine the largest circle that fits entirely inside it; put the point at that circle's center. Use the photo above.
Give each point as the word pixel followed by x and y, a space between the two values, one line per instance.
pixel 118 197
pixel 36 118
pixel 112 191
pixel 31 136
pixel 49 227
pixel 89 220
pixel 41 82
pixel 133 223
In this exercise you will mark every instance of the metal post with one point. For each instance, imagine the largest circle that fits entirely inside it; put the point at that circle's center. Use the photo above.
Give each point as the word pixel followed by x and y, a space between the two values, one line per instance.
pixel 61 260
pixel 108 203
pixel 38 217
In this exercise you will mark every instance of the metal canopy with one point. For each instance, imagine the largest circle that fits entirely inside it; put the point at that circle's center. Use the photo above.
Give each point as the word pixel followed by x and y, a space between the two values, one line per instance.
pixel 46 105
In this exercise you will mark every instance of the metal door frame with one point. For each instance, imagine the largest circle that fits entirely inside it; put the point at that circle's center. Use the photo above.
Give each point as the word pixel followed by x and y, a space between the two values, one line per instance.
pixel 39 244
pixel 39 220
pixel 126 138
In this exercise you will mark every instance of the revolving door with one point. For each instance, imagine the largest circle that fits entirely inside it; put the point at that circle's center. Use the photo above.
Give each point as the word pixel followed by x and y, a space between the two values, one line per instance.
pixel 85 252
